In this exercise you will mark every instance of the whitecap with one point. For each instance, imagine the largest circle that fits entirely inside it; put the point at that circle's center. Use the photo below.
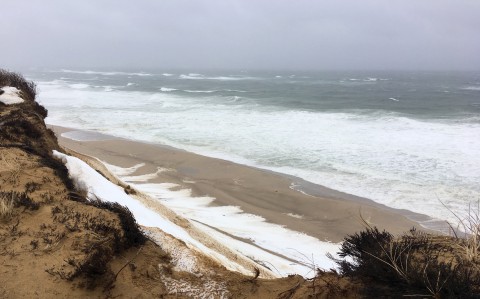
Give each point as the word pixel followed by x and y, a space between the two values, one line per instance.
pixel 471 88
pixel 235 90
pixel 200 91
pixel 191 76
pixel 166 89
pixel 236 99
pixel 194 76
pixel 141 74
pixel 79 85
pixel 225 78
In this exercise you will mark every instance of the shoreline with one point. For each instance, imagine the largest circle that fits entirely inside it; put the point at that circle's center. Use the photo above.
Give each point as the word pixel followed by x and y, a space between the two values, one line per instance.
pixel 301 206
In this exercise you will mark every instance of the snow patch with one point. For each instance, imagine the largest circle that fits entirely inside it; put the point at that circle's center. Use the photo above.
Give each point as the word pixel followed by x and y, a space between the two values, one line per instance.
pixel 87 179
pixel 122 171
pixel 282 250
pixel 181 257
pixel 294 215
pixel 206 289
pixel 11 95
pixel 144 177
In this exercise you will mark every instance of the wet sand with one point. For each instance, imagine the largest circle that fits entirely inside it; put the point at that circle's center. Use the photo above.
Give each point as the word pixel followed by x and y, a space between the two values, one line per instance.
pixel 320 212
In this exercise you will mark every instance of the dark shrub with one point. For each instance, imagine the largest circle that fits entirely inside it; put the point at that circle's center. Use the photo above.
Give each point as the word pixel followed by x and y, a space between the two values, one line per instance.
pixel 133 235
pixel 28 88
pixel 415 263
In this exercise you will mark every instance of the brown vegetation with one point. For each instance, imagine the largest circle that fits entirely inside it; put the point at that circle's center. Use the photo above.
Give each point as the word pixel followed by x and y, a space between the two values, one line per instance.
pixel 415 264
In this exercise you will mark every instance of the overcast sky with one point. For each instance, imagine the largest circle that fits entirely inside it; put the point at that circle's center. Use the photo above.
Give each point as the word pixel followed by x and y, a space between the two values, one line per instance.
pixel 241 34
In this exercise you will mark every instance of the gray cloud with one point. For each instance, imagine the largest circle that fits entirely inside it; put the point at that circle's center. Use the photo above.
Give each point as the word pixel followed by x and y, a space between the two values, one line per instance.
pixel 243 34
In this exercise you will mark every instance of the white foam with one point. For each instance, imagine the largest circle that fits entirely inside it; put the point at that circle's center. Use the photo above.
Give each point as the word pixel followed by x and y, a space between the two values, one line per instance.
pixel 79 85
pixel 167 89
pixel 367 79
pixel 200 91
pixel 225 78
pixel 193 76
pixel 10 96
pixel 141 74
pixel 235 90
pixel 167 74
pixel 471 88
pixel 393 99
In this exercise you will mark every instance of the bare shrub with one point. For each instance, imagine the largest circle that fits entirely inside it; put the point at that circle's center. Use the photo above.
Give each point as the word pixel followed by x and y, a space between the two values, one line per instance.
pixel 132 234
pixel 109 237
pixel 28 88
pixel 412 264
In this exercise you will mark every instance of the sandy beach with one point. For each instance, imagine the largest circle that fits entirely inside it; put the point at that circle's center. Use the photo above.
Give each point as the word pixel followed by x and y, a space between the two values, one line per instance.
pixel 288 201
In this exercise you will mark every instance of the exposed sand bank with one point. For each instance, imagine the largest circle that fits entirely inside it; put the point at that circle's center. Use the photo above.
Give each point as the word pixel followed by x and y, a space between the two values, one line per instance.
pixel 322 213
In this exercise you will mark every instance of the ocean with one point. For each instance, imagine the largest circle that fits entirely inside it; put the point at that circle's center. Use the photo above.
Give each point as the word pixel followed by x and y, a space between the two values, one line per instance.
pixel 409 140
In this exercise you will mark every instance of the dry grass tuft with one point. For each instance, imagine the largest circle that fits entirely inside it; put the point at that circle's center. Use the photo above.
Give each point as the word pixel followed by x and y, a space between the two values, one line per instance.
pixel 7 203
pixel 467 232
pixel 11 200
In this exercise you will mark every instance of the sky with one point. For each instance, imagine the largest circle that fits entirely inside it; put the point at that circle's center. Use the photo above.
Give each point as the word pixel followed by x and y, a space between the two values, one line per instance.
pixel 241 34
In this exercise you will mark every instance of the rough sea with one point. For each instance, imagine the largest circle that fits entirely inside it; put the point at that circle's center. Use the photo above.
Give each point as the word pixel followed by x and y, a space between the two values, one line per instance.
pixel 408 140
